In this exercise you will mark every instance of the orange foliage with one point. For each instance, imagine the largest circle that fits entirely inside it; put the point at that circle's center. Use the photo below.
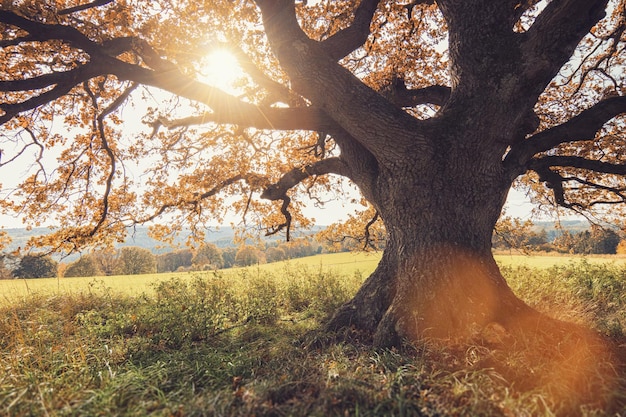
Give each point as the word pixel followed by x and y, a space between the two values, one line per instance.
pixel 105 108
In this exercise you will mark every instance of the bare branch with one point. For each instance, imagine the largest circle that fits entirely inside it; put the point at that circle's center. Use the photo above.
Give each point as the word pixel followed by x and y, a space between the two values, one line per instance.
pixel 580 128
pixel 86 6
pixel 354 36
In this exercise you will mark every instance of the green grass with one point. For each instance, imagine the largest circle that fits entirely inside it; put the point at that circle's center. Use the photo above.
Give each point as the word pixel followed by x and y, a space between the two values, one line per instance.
pixel 550 260
pixel 244 342
pixel 341 263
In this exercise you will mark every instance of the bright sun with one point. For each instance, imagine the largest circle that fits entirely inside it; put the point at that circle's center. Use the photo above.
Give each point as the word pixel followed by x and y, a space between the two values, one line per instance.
pixel 221 69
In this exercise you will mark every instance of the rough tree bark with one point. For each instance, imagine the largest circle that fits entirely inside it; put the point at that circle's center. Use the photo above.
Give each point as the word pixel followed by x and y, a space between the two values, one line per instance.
pixel 437 277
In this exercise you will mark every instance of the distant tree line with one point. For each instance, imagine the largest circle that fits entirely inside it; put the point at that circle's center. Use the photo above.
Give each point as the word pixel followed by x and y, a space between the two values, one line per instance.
pixel 133 260
pixel 209 256
pixel 595 240
pixel 129 260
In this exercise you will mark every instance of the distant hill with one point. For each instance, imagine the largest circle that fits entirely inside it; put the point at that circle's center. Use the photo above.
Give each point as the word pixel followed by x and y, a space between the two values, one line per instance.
pixel 224 236
pixel 572 226
pixel 138 236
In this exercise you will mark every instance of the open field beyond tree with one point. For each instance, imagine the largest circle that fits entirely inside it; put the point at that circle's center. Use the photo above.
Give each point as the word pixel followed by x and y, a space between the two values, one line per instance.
pixel 346 263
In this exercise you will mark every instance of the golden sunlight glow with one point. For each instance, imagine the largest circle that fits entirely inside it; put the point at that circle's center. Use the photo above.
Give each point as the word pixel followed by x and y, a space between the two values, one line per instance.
pixel 221 69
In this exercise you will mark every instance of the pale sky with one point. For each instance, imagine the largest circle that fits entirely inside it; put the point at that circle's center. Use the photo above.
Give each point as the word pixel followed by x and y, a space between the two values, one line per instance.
pixel 517 205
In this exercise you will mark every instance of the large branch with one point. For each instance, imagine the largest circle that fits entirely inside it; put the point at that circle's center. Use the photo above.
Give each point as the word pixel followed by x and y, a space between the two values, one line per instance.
pixel 354 36
pixel 545 168
pixel 317 76
pixel 12 110
pixel 580 128
pixel 578 162
pixel 43 32
pixel 77 75
pixel 555 34
pixel 162 74
pixel 400 95
pixel 481 41
pixel 278 190
pixel 305 118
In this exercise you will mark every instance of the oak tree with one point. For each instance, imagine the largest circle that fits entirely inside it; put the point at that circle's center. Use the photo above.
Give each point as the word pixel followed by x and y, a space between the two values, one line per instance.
pixel 208 254
pixel 434 110
pixel 172 261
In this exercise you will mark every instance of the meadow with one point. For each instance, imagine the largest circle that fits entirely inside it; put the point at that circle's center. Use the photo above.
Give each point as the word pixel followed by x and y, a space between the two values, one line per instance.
pixel 346 263
pixel 248 341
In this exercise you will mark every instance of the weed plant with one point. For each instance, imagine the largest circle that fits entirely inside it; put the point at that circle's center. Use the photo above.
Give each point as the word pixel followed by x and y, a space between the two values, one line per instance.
pixel 250 344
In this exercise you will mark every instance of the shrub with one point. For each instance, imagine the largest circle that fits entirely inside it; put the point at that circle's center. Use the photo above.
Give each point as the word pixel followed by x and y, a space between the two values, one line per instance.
pixel 589 292
pixel 188 311
pixel 36 266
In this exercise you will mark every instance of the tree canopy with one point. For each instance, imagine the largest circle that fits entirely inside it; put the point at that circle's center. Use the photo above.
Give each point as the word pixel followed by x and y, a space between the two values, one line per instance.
pixel 77 77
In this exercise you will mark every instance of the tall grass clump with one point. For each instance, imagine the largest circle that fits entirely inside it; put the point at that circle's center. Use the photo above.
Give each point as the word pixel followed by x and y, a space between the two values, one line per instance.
pixel 321 291
pixel 239 344
pixel 592 294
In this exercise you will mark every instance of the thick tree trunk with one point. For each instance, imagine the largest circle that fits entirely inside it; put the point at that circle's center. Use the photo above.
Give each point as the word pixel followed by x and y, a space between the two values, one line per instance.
pixel 445 291
pixel 437 277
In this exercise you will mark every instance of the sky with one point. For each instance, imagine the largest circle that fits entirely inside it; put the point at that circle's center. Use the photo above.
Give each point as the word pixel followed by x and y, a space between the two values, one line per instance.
pixel 517 205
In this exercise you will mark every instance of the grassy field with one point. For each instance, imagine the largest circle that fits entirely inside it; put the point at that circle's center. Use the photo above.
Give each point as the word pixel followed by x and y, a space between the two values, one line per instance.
pixel 340 263
pixel 248 341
